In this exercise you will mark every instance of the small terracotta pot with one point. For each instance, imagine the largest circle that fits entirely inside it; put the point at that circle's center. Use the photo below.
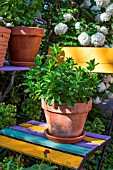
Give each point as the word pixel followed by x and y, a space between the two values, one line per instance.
pixel 65 122
pixel 24 45
pixel 4 38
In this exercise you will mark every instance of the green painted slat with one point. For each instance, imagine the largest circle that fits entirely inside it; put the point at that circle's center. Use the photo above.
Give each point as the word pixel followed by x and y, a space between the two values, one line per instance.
pixel 45 142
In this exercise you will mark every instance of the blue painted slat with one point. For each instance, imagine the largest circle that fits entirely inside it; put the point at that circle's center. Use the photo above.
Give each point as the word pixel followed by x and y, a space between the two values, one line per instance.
pixel 45 142
pixel 41 134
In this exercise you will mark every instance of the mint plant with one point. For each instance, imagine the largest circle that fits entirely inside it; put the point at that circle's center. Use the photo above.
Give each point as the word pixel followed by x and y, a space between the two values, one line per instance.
pixel 58 81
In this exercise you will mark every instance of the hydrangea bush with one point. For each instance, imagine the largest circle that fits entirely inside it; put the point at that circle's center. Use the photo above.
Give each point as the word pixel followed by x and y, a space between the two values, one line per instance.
pixel 93 30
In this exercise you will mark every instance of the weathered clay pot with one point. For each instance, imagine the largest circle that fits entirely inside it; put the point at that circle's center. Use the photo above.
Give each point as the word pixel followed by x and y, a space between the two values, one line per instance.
pixel 4 38
pixel 65 122
pixel 81 55
pixel 24 45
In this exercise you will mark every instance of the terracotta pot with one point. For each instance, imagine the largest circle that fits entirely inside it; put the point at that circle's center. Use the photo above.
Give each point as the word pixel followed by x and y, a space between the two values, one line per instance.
pixel 24 45
pixel 81 55
pixel 4 38
pixel 65 122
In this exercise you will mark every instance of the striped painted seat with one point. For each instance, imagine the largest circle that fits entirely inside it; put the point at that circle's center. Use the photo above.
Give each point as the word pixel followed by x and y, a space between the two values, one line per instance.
pixel 28 138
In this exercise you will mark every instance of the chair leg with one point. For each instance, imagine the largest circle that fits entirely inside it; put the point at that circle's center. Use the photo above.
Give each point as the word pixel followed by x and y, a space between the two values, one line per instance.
pixel 82 168
pixel 102 157
pixel 111 125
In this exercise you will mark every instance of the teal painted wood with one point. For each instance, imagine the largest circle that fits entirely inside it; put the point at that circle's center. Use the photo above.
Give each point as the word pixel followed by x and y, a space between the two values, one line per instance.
pixel 45 142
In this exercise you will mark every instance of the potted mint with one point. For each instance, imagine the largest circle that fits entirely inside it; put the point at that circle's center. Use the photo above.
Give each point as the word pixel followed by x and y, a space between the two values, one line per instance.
pixel 25 35
pixel 66 91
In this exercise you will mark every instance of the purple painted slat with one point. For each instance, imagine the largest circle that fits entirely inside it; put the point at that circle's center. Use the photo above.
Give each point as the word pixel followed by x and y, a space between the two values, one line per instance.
pixel 41 134
pixel 86 144
pixel 13 68
pixel 89 134
pixel 34 122
pixel 28 131
pixel 94 135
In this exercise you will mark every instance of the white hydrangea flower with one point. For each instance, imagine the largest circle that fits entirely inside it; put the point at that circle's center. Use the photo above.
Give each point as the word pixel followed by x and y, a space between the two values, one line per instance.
pixel 86 3
pixel 106 46
pixel 110 95
pixel 97 100
pixel 84 39
pixel 97 39
pixel 104 17
pixel 8 24
pixel 78 26
pixel 111 45
pixel 104 30
pixel 110 9
pixel 98 28
pixel 67 17
pixel 60 29
pixel 95 8
pixel 108 78
pixel 1 18
pixel 97 17
pixel 102 3
pixel 101 87
pixel 111 80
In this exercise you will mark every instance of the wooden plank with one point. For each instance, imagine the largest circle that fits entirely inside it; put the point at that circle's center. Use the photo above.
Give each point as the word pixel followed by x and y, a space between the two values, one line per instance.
pixel 41 134
pixel 35 122
pixel 90 134
pixel 86 138
pixel 33 127
pixel 45 142
pixel 99 136
pixel 94 140
pixel 28 130
pixel 63 159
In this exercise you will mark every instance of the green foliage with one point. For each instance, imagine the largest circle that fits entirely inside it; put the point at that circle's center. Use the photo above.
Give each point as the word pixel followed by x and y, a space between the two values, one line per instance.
pixel 7 115
pixel 31 109
pixel 61 82
pixel 21 12
pixel 17 163
pixel 27 108
pixel 41 167
pixel 96 126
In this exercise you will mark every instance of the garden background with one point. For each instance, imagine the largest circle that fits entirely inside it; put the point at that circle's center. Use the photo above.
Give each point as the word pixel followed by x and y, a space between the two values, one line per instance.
pixel 19 107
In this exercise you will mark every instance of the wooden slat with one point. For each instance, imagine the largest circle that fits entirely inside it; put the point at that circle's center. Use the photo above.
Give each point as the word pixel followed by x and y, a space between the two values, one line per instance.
pixel 41 134
pixel 89 139
pixel 28 130
pixel 56 157
pixel 35 122
pixel 99 136
pixel 94 140
pixel 33 127
pixel 90 134
pixel 45 142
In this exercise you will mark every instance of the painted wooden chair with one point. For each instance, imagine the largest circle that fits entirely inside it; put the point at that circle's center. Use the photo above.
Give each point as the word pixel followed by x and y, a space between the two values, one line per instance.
pixel 29 139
